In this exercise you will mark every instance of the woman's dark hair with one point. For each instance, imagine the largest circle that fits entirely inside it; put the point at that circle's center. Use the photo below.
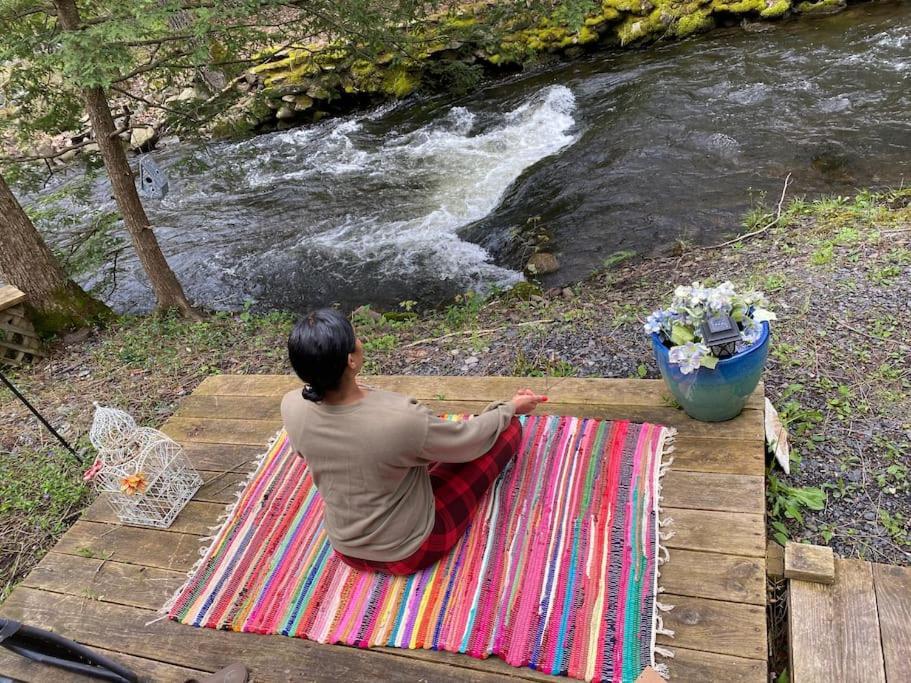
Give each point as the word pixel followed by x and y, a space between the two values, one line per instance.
pixel 318 348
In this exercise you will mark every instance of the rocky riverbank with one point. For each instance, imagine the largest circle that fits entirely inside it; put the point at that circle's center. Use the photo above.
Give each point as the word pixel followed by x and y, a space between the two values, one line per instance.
pixel 453 52
pixel 837 271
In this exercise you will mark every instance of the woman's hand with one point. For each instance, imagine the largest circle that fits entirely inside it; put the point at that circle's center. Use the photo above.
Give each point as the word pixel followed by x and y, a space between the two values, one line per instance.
pixel 526 401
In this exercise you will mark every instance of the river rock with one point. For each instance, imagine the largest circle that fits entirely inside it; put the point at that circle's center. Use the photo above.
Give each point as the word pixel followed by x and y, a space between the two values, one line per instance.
pixel 143 139
pixel 542 263
pixel 186 95
pixel 302 102
pixel 68 156
pixel 284 113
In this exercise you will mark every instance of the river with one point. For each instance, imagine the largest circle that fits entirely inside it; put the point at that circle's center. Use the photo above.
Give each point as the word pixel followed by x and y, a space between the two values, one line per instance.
pixel 624 150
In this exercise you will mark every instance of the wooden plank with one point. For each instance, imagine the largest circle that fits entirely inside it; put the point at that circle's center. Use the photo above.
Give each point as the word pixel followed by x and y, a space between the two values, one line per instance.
pixel 834 630
pixel 712 575
pixel 856 603
pixel 713 491
pixel 691 453
pixel 21 669
pixel 693 666
pixel 270 658
pixel 97 533
pixel 238 407
pixel 24 331
pixel 147 547
pixel 10 296
pixel 812 633
pixel 209 430
pixel 893 603
pixel 34 349
pixel 807 562
pixel 774 559
pixel 105 580
pixel 711 455
pixel 222 487
pixel 728 628
pixel 222 457
pixel 693 574
pixel 196 518
pixel 748 426
pixel 561 390
pixel 722 532
pixel 626 392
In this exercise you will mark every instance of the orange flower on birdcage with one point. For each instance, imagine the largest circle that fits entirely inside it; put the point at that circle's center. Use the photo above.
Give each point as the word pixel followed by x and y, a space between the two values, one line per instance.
pixel 133 484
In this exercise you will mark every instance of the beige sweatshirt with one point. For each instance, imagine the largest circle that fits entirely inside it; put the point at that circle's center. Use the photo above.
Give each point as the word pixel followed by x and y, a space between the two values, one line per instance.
pixel 369 462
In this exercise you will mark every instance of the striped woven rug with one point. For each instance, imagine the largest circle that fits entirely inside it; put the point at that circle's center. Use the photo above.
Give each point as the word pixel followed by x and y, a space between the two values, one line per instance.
pixel 558 571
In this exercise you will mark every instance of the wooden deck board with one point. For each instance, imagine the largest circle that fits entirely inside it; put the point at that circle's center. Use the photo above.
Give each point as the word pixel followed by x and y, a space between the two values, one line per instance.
pixel 716 626
pixel 714 492
pixel 10 296
pixel 712 575
pixel 834 629
pixel 732 534
pixel 122 628
pixel 20 669
pixel 747 426
pixel 626 392
pixel 893 604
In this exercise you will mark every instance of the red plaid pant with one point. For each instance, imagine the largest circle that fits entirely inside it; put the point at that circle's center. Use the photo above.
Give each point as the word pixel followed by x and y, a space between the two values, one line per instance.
pixel 457 490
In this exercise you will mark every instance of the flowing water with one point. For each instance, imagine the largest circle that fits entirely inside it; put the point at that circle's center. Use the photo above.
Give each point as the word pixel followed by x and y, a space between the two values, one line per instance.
pixel 629 150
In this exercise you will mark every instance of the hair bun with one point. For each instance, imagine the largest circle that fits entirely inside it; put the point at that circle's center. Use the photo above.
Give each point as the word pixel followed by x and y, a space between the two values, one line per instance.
pixel 312 394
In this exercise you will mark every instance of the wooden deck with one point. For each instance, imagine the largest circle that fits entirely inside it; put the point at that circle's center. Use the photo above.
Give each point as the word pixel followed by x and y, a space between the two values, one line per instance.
pixel 856 629
pixel 102 582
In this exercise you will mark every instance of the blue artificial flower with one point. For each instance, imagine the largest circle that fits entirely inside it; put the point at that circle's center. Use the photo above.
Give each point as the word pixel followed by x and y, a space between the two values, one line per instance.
pixel 751 332
pixel 688 356
pixel 660 321
pixel 653 323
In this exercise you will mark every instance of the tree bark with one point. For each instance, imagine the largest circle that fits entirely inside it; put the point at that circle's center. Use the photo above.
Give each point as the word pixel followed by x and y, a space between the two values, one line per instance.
pixel 55 303
pixel 168 291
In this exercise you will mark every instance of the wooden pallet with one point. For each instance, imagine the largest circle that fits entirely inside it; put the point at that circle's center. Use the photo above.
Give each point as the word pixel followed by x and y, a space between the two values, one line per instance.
pixel 855 630
pixel 18 341
pixel 103 582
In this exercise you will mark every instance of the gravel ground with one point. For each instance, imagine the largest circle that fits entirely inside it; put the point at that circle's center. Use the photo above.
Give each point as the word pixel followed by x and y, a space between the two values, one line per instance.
pixel 837 272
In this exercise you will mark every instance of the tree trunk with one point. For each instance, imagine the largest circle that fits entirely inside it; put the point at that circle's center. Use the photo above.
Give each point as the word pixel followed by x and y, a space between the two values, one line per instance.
pixel 55 303
pixel 168 291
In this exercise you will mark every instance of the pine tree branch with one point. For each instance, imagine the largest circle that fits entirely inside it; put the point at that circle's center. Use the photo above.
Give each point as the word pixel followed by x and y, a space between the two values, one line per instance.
pixel 149 103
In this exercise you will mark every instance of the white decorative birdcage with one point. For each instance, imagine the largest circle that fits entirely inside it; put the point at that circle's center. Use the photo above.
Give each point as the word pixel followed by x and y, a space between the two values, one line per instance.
pixel 147 477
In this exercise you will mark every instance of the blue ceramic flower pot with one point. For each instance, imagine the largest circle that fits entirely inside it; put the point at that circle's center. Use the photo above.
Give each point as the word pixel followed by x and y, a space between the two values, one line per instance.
pixel 718 394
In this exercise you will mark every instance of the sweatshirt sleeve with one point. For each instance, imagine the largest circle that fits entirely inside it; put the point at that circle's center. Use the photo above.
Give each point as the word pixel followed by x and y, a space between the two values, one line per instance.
pixel 448 441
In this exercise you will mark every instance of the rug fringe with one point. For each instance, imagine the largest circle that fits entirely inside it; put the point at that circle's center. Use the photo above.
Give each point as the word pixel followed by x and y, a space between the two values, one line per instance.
pixel 662 533
pixel 206 542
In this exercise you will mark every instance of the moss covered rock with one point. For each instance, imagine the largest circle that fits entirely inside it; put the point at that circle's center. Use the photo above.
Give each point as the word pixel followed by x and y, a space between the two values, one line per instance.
pixel 820 7
pixel 337 78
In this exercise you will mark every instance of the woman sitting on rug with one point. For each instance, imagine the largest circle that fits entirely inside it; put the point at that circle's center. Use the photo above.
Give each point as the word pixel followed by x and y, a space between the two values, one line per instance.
pixel 399 484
